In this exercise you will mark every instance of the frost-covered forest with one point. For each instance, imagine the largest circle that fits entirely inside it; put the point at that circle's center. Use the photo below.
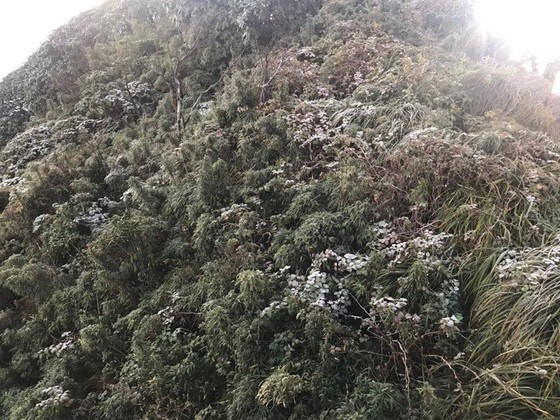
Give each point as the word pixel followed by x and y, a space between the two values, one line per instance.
pixel 278 209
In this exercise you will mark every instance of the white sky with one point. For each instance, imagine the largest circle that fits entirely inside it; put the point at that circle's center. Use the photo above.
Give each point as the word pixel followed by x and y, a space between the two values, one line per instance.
pixel 26 24
pixel 529 26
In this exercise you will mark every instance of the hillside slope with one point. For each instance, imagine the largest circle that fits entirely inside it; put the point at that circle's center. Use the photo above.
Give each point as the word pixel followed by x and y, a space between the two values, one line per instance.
pixel 278 209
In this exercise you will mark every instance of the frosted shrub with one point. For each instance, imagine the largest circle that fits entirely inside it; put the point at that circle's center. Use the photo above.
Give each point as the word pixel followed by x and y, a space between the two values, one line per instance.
pixel 40 221
pixel 389 303
pixel 305 53
pixel 385 233
pixel 423 263
pixel 346 263
pixel 310 128
pixel 311 125
pixel 67 344
pixel 167 316
pixel 53 396
pixel 315 288
pixel 391 310
pixel 428 247
pixel 170 313
pixel 126 101
pixel 325 286
pixel 448 325
pixel 527 267
pixel 97 215
pixel 232 212
pixel 449 292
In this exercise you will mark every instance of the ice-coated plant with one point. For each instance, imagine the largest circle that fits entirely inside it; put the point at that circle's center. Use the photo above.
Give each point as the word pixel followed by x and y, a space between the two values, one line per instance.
pixel 97 215
pixel 66 344
pixel 448 325
pixel 325 285
pixel 428 247
pixel 525 268
pixel 448 293
pixel 391 310
pixel 167 315
pixel 170 313
pixel 312 126
pixel 54 396
pixel 233 211
pixel 385 234
pixel 424 265
pixel 344 264
pixel 386 302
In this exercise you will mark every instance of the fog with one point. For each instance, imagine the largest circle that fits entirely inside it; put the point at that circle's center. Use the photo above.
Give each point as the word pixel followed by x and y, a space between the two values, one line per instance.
pixel 26 24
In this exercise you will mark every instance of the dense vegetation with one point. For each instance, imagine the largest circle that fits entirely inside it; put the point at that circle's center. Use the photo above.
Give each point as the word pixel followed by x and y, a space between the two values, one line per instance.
pixel 278 209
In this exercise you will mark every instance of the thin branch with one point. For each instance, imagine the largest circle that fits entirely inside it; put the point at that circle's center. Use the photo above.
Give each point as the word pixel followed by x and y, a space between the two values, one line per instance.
pixel 271 78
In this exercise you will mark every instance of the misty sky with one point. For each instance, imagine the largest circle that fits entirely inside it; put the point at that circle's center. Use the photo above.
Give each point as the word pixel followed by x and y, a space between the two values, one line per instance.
pixel 529 27
pixel 26 24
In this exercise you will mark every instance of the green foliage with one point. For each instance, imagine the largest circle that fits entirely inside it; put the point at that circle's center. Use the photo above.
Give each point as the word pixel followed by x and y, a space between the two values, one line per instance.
pixel 128 245
pixel 280 388
pixel 277 209
pixel 27 278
